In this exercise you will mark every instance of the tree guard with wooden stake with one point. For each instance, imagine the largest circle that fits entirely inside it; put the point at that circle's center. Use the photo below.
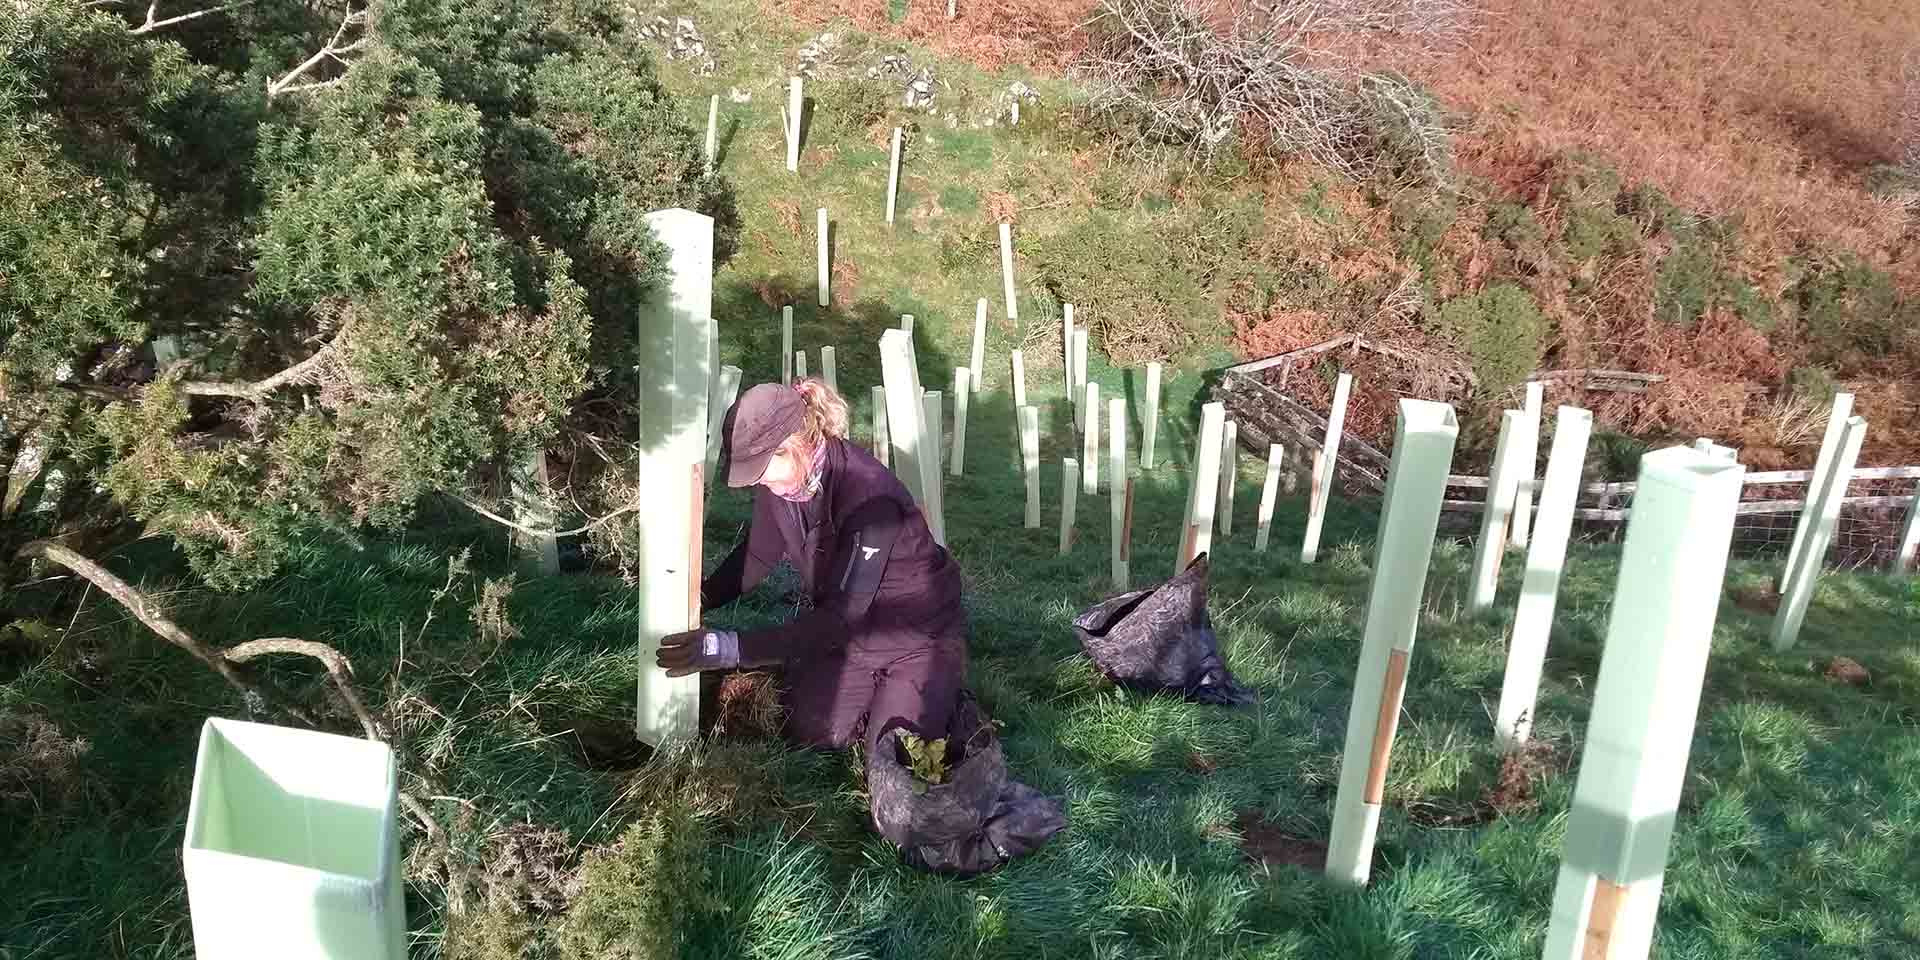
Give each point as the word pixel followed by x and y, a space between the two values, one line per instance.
pixel 1546 557
pixel 962 392
pixel 786 345
pixel 1229 473
pixel 1829 446
pixel 1824 496
pixel 1006 270
pixel 1090 442
pixel 1645 702
pixel 1523 492
pixel 911 460
pixel 1484 582
pixel 796 104
pixel 1424 435
pixel 729 389
pixel 893 176
pixel 1030 461
pixel 1150 420
pixel 882 447
pixel 1269 492
pixel 1326 467
pixel 1120 502
pixel 932 442
pixel 1196 530
pixel 825 249
pixel 1069 487
pixel 674 330
pixel 292 845
pixel 977 361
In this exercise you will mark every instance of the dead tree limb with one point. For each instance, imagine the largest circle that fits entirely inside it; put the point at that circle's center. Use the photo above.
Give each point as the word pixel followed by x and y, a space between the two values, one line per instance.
pixel 332 51
pixel 336 663
pixel 306 371
pixel 153 9
pixel 576 531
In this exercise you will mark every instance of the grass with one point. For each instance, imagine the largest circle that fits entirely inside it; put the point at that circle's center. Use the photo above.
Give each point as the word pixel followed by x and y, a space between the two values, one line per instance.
pixel 1798 820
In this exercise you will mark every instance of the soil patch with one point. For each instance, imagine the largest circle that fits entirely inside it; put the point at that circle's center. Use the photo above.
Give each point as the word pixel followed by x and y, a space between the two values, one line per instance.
pixel 600 743
pixel 1848 671
pixel 1264 843
pixel 1758 598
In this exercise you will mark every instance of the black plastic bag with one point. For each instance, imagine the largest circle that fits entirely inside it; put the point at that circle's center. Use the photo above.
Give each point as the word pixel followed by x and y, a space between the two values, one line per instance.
pixel 1161 638
pixel 977 819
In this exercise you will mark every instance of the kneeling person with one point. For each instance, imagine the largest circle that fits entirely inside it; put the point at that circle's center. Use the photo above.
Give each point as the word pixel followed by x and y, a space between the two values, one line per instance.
pixel 884 644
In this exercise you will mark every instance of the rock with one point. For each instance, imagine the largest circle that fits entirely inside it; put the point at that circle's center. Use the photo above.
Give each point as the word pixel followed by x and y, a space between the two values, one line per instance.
pixel 1848 671
pixel 738 95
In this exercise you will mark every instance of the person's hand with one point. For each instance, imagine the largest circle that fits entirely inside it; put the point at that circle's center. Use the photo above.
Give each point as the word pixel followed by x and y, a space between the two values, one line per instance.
pixel 693 651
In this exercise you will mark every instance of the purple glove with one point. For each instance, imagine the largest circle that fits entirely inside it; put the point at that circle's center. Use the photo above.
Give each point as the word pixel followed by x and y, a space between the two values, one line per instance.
pixel 691 652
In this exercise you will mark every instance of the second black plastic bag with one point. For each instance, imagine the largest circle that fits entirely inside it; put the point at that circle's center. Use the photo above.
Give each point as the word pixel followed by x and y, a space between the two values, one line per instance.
pixel 1161 638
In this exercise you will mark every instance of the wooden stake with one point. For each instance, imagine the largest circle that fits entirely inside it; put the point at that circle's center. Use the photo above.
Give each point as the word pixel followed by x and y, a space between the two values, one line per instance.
pixel 1392 689
pixel 1268 494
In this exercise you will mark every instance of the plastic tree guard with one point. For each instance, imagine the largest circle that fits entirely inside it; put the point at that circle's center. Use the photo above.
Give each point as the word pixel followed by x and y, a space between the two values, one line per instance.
pixel 1484 582
pixel 1645 701
pixel 1323 474
pixel 291 849
pixel 1829 446
pixel 1196 532
pixel 1416 484
pixel 675 329
pixel 1546 558
pixel 1824 497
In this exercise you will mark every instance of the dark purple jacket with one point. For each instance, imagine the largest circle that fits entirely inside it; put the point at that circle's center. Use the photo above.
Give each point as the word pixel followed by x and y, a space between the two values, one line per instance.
pixel 878 580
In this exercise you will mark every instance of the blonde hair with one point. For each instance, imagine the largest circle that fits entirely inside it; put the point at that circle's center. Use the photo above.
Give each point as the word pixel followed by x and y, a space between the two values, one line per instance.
pixel 826 412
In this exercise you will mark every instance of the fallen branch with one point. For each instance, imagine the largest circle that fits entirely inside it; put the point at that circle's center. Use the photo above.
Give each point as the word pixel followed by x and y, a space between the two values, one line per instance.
pixel 337 667
pixel 153 8
pixel 302 372
pixel 576 531
pixel 333 50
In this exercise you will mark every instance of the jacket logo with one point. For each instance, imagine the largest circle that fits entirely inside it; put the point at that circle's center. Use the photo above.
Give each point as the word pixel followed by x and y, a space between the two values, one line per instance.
pixel 866 553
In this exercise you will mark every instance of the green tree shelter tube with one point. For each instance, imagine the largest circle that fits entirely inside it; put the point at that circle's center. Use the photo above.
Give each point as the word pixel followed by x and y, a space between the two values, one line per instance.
pixel 291 849
pixel 1645 702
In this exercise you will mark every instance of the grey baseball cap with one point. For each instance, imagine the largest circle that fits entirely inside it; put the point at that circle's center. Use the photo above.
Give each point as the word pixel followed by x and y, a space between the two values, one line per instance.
pixel 762 419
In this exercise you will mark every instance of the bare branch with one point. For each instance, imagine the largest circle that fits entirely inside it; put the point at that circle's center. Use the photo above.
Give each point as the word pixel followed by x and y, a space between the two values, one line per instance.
pixel 332 51
pixel 152 24
pixel 303 372
pixel 137 604
pixel 337 667
pixel 496 518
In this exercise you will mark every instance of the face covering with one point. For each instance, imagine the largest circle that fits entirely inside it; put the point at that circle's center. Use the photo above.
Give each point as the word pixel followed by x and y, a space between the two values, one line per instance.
pixel 815 468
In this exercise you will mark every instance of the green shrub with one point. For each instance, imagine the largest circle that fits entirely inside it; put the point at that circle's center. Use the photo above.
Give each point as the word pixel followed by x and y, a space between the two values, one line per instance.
pixel 846 107
pixel 1849 309
pixel 1588 191
pixel 1816 384
pixel 1616 456
pixel 1501 331
pixel 1130 283
pixel 1686 284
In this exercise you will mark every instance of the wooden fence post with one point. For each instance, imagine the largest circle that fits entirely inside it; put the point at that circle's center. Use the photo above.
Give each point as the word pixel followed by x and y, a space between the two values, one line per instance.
pixel 1546 557
pixel 1645 702
pixel 1424 436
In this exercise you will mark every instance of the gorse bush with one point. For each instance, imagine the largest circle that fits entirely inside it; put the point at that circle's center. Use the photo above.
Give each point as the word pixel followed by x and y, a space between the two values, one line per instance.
pixel 1848 310
pixel 1134 291
pixel 1500 330
pixel 385 277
